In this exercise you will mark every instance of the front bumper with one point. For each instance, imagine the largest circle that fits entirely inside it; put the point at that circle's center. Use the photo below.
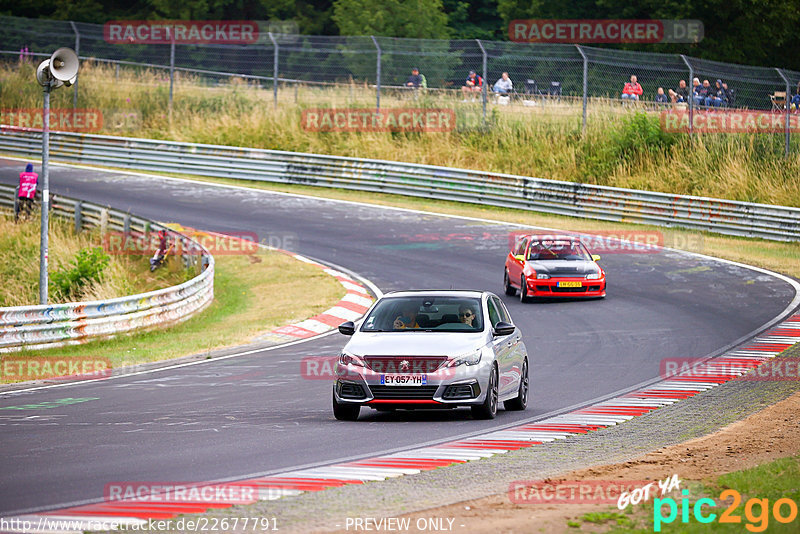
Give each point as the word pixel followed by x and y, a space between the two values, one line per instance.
pixel 449 387
pixel 550 287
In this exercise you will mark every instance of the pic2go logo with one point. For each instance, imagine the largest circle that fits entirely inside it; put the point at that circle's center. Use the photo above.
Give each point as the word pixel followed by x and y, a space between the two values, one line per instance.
pixel 756 511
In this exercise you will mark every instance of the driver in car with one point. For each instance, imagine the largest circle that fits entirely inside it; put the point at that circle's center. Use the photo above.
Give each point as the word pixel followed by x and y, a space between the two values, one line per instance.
pixel 466 315
pixel 408 319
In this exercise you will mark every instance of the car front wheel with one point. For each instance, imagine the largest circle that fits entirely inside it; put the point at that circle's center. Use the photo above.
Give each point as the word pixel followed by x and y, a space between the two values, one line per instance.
pixel 488 410
pixel 523 289
pixel 345 412
pixel 520 402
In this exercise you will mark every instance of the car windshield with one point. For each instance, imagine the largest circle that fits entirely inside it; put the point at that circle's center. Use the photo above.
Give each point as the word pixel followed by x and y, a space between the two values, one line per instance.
pixel 437 314
pixel 558 250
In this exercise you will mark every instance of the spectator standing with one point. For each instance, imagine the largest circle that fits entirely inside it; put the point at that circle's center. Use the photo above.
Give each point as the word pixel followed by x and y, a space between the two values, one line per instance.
pixel 473 84
pixel 416 80
pixel 632 90
pixel 681 94
pixel 661 97
pixel 504 85
pixel 28 180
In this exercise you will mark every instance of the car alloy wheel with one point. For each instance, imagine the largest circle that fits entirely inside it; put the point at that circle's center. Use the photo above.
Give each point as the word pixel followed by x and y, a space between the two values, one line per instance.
pixel 488 410
pixel 509 289
pixel 520 402
pixel 523 289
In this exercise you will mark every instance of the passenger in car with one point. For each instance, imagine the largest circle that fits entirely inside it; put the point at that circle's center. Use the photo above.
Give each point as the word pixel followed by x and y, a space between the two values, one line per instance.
pixel 408 319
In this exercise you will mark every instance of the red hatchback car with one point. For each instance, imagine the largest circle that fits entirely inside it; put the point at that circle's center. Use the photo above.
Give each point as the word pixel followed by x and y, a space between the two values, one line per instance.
pixel 553 266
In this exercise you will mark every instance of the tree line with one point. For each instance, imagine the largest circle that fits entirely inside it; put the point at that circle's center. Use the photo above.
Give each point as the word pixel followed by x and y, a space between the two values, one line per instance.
pixel 751 32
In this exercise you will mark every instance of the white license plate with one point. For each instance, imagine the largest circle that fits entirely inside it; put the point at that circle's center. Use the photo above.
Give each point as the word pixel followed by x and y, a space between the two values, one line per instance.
pixel 404 380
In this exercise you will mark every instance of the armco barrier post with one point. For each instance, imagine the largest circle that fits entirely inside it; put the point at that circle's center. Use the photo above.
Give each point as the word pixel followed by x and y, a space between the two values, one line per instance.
pixel 78 216
pixel 377 75
pixel 786 126
pixel 275 61
pixel 585 86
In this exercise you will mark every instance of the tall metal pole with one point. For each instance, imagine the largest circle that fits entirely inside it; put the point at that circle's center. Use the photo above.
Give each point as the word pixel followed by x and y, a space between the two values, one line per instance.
pixel 485 79
pixel 78 52
pixel 275 59
pixel 787 131
pixel 377 75
pixel 585 86
pixel 43 246
pixel 691 95
pixel 171 72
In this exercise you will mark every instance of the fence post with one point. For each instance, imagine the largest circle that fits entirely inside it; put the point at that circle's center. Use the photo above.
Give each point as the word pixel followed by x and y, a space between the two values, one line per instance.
pixel 78 53
pixel 377 75
pixel 585 85
pixel 485 79
pixel 171 71
pixel 691 95
pixel 786 126
pixel 275 59
pixel 78 216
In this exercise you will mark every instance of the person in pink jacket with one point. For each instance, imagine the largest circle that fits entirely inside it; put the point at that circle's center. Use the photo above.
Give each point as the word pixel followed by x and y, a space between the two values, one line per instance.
pixel 632 90
pixel 28 180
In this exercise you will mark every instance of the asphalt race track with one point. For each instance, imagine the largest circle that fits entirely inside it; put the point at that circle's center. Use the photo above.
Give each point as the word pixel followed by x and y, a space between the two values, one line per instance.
pixel 256 414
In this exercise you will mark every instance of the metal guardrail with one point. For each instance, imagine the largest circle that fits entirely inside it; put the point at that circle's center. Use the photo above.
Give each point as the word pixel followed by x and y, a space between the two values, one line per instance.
pixel 493 189
pixel 52 325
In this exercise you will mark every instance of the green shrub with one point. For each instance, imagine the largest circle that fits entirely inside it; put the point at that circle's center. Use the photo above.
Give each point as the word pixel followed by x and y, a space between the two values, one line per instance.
pixel 69 281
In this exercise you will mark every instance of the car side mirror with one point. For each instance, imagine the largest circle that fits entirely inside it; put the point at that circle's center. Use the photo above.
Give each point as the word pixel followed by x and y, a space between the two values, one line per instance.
pixel 595 257
pixel 347 328
pixel 519 257
pixel 504 329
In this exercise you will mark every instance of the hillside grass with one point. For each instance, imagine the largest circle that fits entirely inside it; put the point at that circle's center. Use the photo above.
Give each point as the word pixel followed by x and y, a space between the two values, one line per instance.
pixel 622 146
pixel 19 264
pixel 253 295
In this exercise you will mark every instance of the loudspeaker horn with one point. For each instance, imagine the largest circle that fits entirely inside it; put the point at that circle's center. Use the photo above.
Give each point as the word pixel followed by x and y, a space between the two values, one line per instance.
pixel 64 65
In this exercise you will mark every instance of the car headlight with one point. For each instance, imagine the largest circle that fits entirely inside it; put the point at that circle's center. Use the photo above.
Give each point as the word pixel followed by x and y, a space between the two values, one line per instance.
pixel 470 358
pixel 593 276
pixel 542 276
pixel 350 359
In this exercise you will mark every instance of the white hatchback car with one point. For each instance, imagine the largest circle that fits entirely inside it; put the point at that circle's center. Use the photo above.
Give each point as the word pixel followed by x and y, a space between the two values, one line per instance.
pixel 432 349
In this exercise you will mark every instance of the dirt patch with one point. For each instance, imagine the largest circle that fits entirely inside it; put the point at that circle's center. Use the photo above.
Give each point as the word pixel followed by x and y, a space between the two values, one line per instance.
pixel 762 437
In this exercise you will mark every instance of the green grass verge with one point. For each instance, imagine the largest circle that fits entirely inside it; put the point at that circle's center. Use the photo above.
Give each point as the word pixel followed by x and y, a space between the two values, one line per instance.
pixel 252 295
pixel 19 265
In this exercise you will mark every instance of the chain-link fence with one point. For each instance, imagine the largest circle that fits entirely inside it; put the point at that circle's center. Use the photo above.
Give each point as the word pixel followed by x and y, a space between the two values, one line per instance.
pixel 553 76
